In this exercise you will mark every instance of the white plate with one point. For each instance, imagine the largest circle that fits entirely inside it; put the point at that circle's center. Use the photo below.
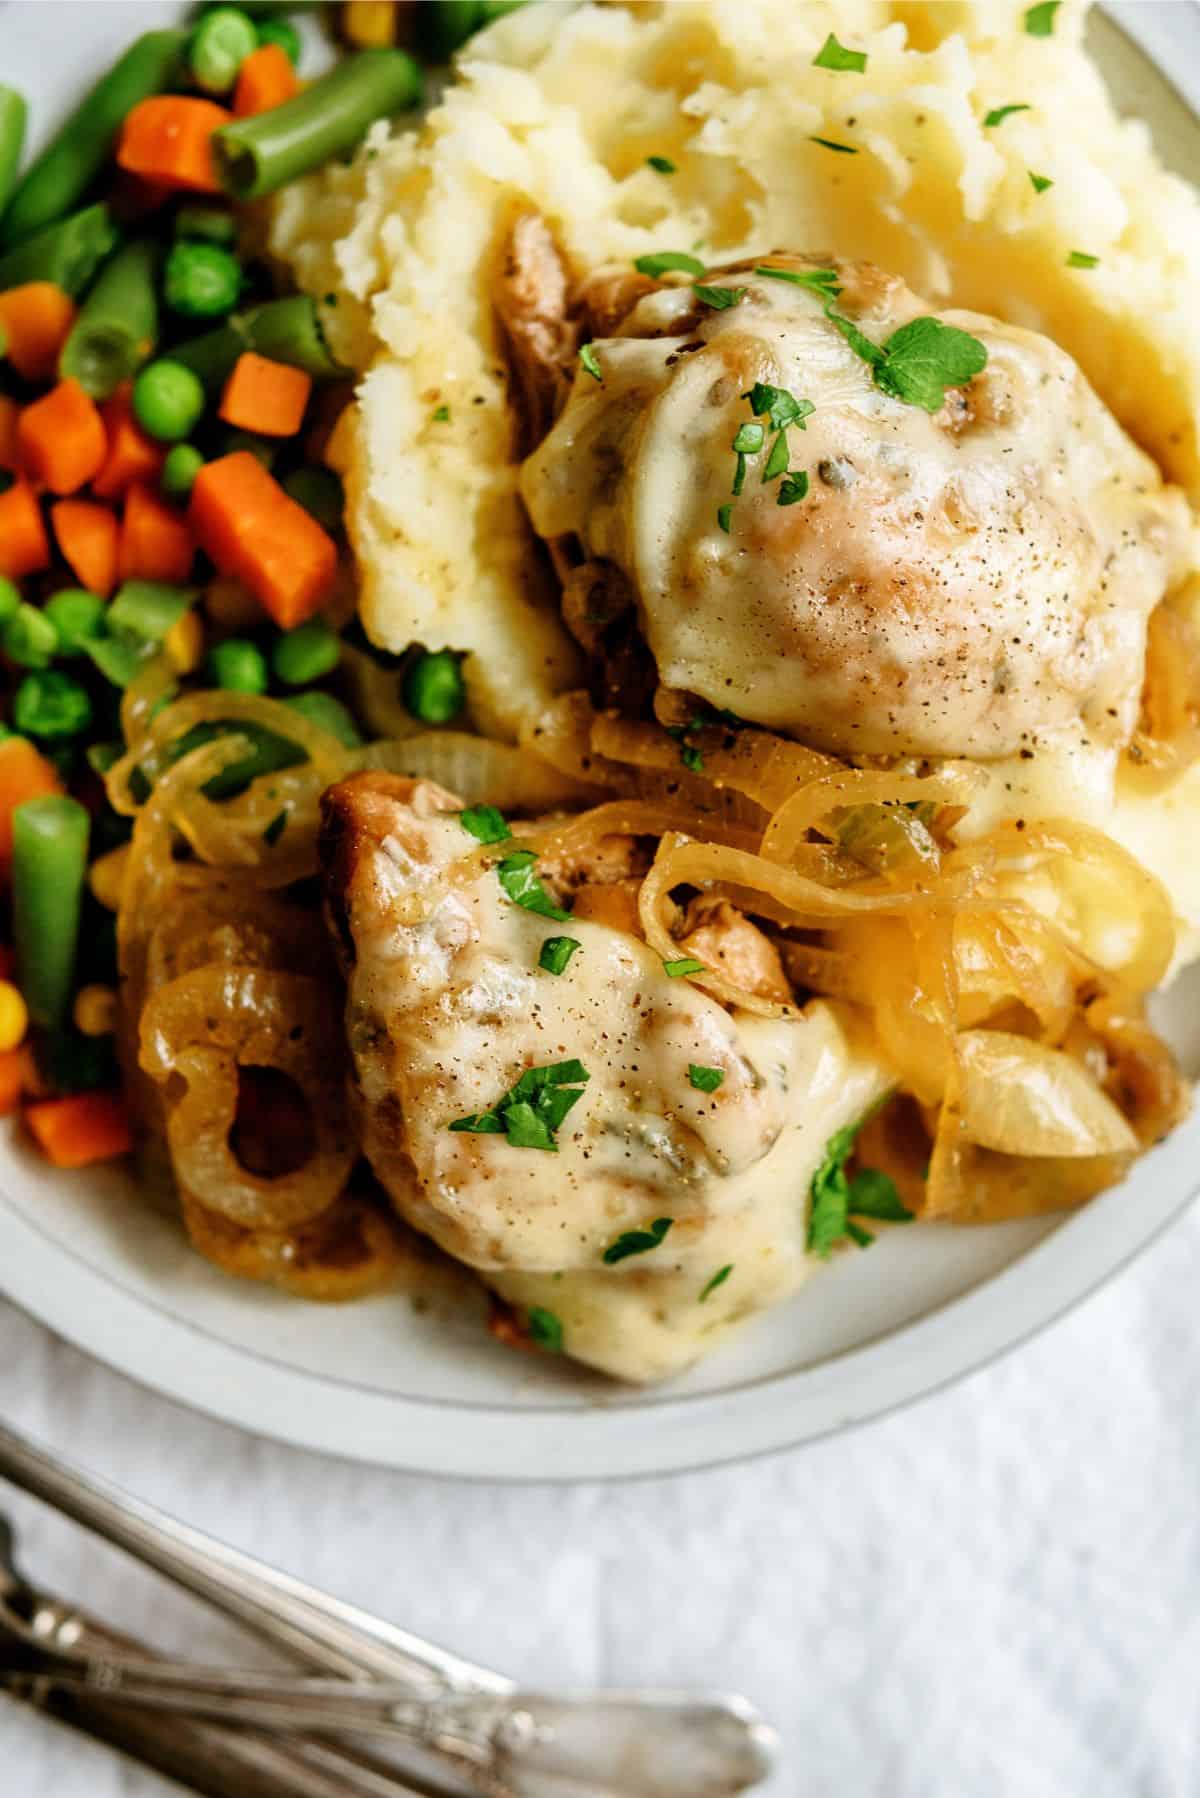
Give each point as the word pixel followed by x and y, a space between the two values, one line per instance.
pixel 378 1382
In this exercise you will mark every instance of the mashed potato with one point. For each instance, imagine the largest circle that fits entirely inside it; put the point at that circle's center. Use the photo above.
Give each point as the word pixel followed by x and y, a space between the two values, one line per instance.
pixel 561 107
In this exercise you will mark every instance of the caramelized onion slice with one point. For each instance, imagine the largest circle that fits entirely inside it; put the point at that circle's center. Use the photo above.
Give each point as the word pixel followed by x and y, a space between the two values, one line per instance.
pixel 348 1251
pixel 1021 1098
pixel 479 771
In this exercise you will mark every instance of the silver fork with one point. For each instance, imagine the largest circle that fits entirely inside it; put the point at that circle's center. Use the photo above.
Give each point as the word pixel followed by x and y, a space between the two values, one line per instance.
pixel 389 1684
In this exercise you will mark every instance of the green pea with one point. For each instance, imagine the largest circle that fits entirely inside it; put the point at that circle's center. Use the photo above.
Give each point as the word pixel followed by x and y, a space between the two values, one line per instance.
pixel 220 45
pixel 283 33
pixel 52 706
pixel 76 615
pixel 180 469
pixel 307 654
pixel 208 224
pixel 323 710
pixel 202 280
pixel 29 638
pixel 239 666
pixel 319 491
pixel 433 689
pixel 10 598
pixel 168 400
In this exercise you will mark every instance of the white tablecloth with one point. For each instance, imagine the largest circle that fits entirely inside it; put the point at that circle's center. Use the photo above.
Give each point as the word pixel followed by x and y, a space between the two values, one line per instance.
pixel 995 1594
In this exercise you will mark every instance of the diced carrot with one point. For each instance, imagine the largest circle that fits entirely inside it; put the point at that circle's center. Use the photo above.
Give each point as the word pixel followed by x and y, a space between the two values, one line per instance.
pixel 155 542
pixel 77 1131
pixel 15 1071
pixel 9 413
pixel 168 139
pixel 37 318
pixel 24 545
pixel 265 396
pixel 87 539
pixel 24 774
pixel 265 79
pixel 61 438
pixel 132 455
pixel 250 527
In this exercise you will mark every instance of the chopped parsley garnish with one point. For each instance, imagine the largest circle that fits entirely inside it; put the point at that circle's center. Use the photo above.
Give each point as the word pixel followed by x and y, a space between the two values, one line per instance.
pixel 833 55
pixel 662 262
pixel 556 953
pixel 836 1199
pixel 662 164
pixel 923 358
pixel 859 342
pixel 719 298
pixel 998 114
pixel 793 487
pixel 532 1110
pixel 692 758
pixel 705 1080
pixel 777 461
pixel 442 415
pixel 1081 259
pixel 724 515
pixel 591 361
pixel 821 280
pixel 718 1279
pixel 275 829
pixel 1039 183
pixel 777 405
pixel 545 1329
pixel 687 964
pixel 485 824
pixel 517 874
pixel 827 143
pixel 636 1242
pixel 1039 20
pixel 749 440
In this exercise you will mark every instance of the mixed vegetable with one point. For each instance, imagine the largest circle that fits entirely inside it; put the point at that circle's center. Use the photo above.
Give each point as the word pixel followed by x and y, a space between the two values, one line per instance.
pixel 164 412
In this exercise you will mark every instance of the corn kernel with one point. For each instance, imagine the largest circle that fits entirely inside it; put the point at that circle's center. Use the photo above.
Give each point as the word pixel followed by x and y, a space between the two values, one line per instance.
pixel 96 1010
pixel 369 24
pixel 14 1018
pixel 231 607
pixel 184 644
pixel 106 876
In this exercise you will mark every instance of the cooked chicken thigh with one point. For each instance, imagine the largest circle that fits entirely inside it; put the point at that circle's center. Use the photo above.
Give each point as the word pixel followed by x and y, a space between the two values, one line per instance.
pixel 955 582
pixel 448 1009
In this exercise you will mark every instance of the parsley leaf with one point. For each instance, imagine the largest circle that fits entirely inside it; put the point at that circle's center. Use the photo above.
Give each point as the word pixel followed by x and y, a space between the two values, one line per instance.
pixel 1039 20
pixel 833 55
pixel 749 440
pixel 724 515
pixel 827 143
pixel 719 298
pixel 998 114
pixel 705 1080
pixel 777 405
pixel 834 1197
pixel 275 829
pixel 532 1110
pixel 692 758
pixel 923 358
pixel 687 964
pixel 793 487
pixel 662 164
pixel 661 262
pixel 1081 259
pixel 485 824
pixel 859 342
pixel 590 361
pixel 442 415
pixel 1040 182
pixel 718 1279
pixel 820 280
pixel 777 461
pixel 556 952
pixel 517 875
pixel 545 1329
pixel 636 1242
pixel 739 476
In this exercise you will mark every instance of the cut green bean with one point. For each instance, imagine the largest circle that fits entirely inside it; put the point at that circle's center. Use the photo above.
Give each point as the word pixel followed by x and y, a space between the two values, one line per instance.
pixel 12 137
pixel 281 330
pixel 220 44
pixel 443 25
pixel 202 280
pixel 328 713
pixel 117 327
pixel 306 654
pixel 119 659
pixel 319 491
pixel 283 33
pixel 10 599
pixel 51 706
pixel 62 174
pixel 49 866
pixel 267 754
pixel 76 615
pixel 68 253
pixel 29 638
pixel 149 609
pixel 258 155
pixel 206 224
